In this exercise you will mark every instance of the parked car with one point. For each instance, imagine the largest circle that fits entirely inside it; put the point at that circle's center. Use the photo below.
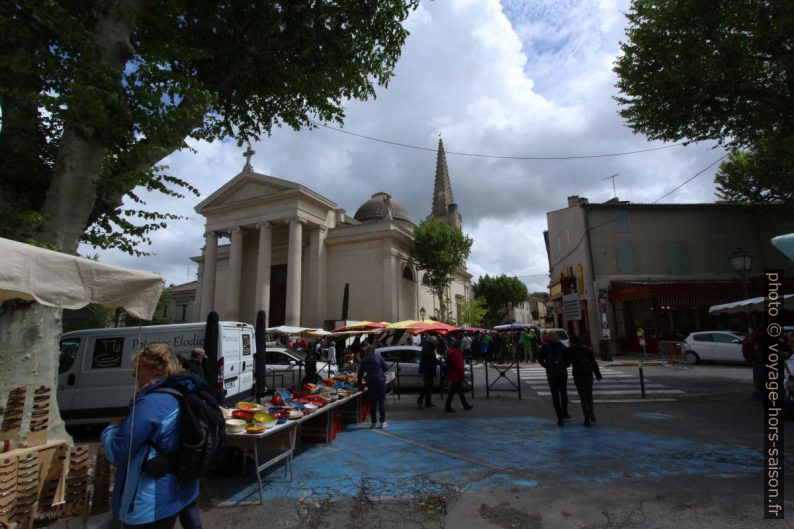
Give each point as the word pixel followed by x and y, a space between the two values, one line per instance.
pixel 562 334
pixel 285 367
pixel 408 357
pixel 714 346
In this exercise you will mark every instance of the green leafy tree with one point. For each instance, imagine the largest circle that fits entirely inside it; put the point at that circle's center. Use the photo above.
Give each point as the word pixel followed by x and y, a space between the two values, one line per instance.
pixel 96 93
pixel 500 295
pixel 440 250
pixel 471 312
pixel 540 295
pixel 764 174
pixel 715 71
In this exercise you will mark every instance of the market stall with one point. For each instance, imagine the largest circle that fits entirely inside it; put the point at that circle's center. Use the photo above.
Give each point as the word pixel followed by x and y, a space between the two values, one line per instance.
pixel 268 434
pixel 42 478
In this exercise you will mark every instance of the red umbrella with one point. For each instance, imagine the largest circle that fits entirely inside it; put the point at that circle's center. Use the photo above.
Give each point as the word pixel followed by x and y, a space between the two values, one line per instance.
pixel 431 326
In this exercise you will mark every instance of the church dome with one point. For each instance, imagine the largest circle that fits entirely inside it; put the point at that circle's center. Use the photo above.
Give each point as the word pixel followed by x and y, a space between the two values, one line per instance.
pixel 381 207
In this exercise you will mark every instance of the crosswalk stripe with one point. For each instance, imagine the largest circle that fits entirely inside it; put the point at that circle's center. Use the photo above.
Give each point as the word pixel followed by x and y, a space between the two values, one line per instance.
pixel 601 387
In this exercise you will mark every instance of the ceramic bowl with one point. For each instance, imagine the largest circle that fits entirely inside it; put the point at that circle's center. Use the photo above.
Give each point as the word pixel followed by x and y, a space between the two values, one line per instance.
pixel 235 425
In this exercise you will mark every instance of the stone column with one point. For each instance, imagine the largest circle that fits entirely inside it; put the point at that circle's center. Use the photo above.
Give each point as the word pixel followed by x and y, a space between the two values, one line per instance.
pixel 317 276
pixel 235 275
pixel 263 260
pixel 208 275
pixel 292 314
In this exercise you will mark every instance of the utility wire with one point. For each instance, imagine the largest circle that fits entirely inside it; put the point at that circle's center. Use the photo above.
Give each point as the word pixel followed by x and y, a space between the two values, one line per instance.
pixel 679 186
pixel 475 155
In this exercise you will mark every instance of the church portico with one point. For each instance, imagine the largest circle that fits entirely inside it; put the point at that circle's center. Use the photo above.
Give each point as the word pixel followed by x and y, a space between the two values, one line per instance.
pixel 290 251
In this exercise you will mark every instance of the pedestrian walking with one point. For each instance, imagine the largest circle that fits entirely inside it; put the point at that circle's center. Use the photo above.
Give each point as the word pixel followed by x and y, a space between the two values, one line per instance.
pixel 427 368
pixel 465 344
pixel 455 375
pixel 584 367
pixel 554 356
pixel 374 367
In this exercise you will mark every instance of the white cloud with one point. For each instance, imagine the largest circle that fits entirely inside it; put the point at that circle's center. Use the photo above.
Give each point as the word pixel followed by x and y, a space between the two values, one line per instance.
pixel 510 79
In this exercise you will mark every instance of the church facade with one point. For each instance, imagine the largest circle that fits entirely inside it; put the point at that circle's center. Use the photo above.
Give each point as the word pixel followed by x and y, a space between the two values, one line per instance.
pixel 276 245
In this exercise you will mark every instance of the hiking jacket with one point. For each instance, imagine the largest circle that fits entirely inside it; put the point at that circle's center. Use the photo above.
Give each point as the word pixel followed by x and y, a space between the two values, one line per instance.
pixel 139 498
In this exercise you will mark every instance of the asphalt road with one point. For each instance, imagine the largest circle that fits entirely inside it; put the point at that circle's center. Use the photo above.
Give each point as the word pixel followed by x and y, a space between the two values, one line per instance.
pixel 687 457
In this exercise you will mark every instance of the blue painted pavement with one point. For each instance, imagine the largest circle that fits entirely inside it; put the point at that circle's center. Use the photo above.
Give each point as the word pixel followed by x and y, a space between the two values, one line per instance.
pixel 425 457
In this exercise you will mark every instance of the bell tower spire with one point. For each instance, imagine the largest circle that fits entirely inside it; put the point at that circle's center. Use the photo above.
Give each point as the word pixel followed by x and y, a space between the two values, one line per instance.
pixel 444 207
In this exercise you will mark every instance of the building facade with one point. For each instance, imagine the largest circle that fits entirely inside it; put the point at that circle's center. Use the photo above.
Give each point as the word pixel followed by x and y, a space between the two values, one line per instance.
pixel 617 268
pixel 292 252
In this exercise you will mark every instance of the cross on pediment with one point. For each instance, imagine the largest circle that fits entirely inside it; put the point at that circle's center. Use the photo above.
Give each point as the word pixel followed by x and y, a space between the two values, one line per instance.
pixel 248 154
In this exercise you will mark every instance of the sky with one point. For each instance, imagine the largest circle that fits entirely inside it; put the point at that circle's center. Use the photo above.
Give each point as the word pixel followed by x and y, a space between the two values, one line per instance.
pixel 505 78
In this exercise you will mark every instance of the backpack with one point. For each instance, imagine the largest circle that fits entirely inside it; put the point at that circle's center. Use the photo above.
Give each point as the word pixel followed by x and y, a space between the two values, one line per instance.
pixel 202 429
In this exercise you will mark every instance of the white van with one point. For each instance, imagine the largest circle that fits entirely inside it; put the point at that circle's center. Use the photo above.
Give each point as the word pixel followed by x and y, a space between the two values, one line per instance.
pixel 95 365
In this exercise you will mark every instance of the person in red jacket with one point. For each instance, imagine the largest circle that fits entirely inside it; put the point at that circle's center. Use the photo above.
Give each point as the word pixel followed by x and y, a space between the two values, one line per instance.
pixel 455 377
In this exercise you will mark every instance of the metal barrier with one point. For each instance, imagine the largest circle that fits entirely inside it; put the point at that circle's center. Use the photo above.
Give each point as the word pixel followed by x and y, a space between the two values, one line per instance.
pixel 503 370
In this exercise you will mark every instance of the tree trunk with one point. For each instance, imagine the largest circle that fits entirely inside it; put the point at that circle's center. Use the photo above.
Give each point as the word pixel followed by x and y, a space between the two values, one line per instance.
pixel 29 332
pixel 73 188
pixel 29 356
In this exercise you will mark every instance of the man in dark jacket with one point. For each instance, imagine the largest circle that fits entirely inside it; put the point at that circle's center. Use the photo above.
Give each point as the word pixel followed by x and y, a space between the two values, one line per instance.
pixel 584 366
pixel 555 357
pixel 427 368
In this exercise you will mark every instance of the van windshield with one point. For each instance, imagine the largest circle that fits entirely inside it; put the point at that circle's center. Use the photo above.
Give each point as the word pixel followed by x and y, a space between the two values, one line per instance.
pixel 68 354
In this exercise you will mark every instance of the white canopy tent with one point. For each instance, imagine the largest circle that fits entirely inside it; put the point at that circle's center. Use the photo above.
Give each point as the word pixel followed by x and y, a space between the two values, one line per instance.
pixel 67 281
pixel 287 329
pixel 749 305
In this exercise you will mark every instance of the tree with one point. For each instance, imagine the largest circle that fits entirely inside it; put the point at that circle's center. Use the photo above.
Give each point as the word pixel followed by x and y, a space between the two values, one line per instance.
pixel 440 250
pixel 94 95
pixel 712 71
pixel 760 175
pixel 471 311
pixel 540 295
pixel 500 295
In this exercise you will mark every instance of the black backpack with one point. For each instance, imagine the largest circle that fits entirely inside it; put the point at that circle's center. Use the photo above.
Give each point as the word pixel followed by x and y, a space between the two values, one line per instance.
pixel 202 428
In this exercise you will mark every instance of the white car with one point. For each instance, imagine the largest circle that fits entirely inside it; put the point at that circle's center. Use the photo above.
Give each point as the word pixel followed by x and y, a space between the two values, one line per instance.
pixel 714 346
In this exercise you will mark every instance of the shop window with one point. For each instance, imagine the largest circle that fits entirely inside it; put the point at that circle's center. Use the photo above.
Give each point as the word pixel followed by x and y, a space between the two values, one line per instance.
pixel 627 263
pixel 677 258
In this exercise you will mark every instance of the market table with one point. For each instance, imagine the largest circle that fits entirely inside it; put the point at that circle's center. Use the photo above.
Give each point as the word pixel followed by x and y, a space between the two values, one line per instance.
pixel 282 438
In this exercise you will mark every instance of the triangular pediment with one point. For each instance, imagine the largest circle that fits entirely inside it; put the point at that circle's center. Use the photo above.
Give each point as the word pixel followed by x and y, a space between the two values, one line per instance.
pixel 245 187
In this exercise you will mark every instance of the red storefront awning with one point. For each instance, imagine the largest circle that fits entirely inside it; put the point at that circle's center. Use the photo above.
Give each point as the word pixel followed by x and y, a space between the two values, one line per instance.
pixel 676 294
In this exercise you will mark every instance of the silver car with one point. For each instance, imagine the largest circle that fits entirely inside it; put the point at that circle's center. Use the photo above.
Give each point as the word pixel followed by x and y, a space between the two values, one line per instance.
pixel 407 358
pixel 285 367
pixel 716 346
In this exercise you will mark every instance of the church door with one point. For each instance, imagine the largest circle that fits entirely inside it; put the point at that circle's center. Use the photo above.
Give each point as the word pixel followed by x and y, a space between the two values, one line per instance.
pixel 278 295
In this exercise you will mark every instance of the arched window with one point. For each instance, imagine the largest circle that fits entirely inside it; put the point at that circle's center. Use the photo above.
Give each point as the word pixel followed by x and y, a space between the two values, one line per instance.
pixel 424 280
pixel 408 273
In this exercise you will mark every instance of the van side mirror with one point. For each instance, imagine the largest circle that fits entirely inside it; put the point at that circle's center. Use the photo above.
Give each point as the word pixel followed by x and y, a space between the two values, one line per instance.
pixel 292 363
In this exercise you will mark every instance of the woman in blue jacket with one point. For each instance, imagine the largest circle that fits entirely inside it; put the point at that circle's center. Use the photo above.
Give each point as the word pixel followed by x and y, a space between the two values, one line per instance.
pixel 139 499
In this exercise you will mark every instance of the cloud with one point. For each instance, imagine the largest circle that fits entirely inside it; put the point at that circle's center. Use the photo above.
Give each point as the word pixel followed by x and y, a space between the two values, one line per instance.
pixel 521 79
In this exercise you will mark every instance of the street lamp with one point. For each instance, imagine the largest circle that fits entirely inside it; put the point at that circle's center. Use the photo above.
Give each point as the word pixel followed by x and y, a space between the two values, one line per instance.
pixel 422 313
pixel 742 262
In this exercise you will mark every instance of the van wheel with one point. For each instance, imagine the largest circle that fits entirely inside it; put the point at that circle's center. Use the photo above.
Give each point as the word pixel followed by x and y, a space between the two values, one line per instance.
pixel 691 358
